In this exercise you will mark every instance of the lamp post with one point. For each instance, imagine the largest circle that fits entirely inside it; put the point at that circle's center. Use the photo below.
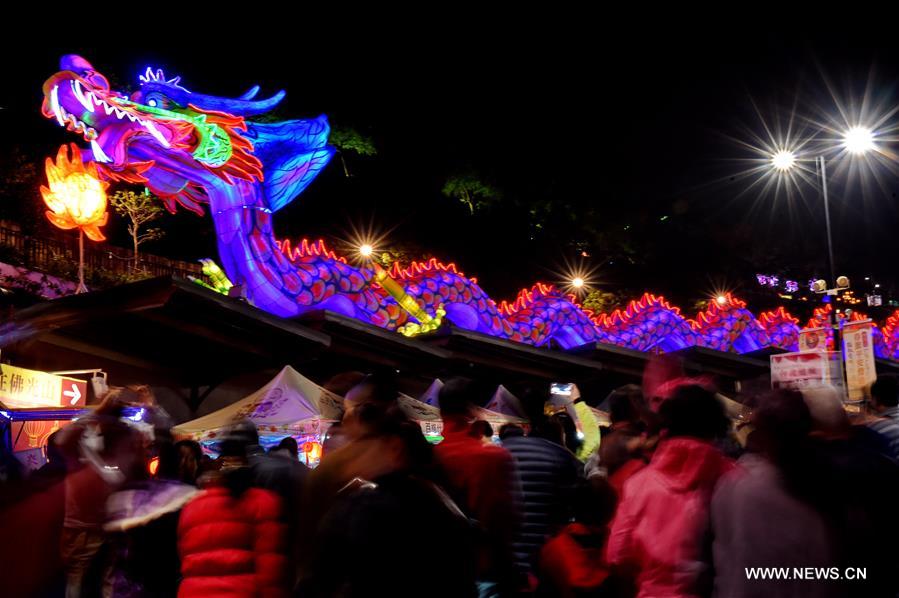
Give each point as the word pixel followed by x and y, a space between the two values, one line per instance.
pixel 857 141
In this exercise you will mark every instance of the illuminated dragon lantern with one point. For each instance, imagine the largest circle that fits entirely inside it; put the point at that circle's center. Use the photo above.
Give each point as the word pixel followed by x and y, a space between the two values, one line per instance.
pixel 205 152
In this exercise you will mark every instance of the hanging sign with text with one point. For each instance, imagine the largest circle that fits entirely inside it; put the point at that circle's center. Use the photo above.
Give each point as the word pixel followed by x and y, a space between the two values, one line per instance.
pixel 27 389
pixel 859 349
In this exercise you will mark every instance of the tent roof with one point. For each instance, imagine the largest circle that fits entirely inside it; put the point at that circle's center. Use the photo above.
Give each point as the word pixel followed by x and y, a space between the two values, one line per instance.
pixel 506 403
pixel 287 399
pixel 417 410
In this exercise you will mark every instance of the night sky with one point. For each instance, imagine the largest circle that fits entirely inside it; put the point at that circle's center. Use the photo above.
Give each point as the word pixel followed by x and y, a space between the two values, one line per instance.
pixel 632 126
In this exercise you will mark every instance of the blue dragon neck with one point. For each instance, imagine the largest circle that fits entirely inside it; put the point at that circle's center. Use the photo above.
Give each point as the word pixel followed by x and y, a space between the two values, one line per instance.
pixel 246 244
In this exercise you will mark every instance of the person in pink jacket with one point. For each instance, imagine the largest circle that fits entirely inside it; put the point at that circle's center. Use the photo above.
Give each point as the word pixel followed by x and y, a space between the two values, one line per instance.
pixel 660 531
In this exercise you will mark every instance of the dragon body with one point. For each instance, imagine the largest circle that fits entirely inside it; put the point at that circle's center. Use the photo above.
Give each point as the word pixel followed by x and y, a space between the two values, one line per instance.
pixel 204 152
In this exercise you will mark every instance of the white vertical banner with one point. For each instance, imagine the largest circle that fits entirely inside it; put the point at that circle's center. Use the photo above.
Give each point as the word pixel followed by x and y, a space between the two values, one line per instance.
pixel 858 346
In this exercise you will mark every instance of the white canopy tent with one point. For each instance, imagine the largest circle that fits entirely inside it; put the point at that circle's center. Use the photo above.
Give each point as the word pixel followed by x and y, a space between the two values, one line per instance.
pixel 505 403
pixel 495 418
pixel 289 403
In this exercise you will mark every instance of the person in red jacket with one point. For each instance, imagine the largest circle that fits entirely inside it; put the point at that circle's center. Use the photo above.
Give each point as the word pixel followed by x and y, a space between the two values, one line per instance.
pixel 482 479
pixel 572 563
pixel 660 532
pixel 231 538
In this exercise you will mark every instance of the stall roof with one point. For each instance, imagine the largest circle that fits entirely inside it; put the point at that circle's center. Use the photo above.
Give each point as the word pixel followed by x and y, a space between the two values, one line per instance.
pixel 357 340
pixel 473 348
pixel 190 335
pixel 728 365
pixel 179 330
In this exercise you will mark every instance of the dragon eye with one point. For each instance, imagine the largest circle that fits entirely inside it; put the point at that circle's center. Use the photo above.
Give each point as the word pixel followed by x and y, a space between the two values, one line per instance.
pixel 156 100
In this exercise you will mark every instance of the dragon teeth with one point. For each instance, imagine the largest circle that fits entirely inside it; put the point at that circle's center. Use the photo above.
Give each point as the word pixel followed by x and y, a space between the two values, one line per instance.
pixel 54 105
pixel 148 125
pixel 79 95
pixel 99 154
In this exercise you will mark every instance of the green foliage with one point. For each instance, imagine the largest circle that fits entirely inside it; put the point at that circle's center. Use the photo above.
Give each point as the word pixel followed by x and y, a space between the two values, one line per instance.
pixel 472 190
pixel 604 301
pixel 348 139
pixel 402 253
pixel 65 267
pixel 140 209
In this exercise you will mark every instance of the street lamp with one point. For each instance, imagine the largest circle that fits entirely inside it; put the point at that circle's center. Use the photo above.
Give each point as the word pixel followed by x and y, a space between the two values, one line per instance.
pixel 857 140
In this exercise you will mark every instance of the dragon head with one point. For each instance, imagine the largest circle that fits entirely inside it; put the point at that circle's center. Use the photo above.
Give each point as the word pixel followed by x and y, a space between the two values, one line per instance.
pixel 161 135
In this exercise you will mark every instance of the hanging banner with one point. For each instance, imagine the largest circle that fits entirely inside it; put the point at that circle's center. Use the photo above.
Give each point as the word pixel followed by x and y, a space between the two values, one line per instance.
pixel 806 369
pixel 813 339
pixel 858 347
pixel 24 389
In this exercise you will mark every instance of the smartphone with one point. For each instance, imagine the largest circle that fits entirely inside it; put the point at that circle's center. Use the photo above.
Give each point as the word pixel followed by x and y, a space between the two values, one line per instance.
pixel 561 389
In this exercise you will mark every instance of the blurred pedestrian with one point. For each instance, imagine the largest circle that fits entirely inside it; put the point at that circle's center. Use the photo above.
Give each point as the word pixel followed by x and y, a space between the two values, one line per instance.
pixel 190 461
pixel 548 473
pixel 763 512
pixel 142 515
pixel 660 531
pixel 99 451
pixel 858 489
pixel 370 542
pixel 884 404
pixel 572 563
pixel 482 480
pixel 231 539
pixel 482 430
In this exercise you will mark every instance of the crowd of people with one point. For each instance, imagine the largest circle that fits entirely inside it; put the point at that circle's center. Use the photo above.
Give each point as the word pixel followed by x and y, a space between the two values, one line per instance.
pixel 679 501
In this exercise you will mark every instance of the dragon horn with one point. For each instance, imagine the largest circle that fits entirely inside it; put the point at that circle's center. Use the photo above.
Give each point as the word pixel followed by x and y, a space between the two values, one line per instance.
pixel 251 93
pixel 237 107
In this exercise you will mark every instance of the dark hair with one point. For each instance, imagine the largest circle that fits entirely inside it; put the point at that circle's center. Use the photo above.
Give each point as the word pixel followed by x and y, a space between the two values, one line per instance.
pixel 289 443
pixel 390 421
pixel 193 446
pixel 781 422
pixel 238 438
pixel 885 390
pixel 510 431
pixel 625 403
pixel 594 501
pixel 341 384
pixel 482 428
pixel 694 411
pixel 548 428
pixel 381 387
pixel 569 429
pixel 456 397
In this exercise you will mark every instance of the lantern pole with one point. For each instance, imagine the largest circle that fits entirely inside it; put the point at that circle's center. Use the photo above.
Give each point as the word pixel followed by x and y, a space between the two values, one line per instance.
pixel 81 288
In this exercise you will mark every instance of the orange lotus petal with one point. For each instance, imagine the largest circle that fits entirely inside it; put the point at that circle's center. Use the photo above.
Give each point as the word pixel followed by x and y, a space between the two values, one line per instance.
pixel 61 222
pixel 93 233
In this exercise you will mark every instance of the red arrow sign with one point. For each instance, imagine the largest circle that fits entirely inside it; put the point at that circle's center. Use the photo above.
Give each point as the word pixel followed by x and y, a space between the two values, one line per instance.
pixel 73 393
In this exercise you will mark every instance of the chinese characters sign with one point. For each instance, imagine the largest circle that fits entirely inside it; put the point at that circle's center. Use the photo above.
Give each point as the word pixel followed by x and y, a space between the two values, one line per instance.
pixel 813 339
pixel 806 369
pixel 859 348
pixel 23 389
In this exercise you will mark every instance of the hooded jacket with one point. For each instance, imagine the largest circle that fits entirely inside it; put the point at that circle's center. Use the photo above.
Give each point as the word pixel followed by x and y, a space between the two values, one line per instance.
pixel 662 521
